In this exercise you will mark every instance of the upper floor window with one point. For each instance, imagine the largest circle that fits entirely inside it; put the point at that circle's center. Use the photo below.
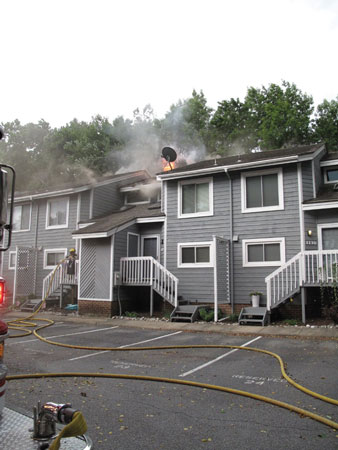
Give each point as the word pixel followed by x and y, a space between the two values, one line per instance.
pixel 262 191
pixel 21 217
pixel 57 213
pixel 195 198
pixel 263 252
pixel 331 175
pixel 134 197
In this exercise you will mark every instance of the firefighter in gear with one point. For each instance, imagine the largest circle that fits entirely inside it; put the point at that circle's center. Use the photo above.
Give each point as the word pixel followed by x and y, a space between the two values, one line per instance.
pixel 71 258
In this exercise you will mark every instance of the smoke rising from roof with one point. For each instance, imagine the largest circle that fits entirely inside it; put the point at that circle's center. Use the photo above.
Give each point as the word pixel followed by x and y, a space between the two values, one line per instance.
pixel 144 149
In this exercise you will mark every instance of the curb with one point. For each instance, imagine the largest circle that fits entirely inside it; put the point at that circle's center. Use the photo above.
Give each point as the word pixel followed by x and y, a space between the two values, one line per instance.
pixel 298 332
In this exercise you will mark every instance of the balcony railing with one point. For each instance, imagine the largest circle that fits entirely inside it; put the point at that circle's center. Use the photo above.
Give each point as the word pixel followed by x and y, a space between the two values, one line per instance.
pixel 146 271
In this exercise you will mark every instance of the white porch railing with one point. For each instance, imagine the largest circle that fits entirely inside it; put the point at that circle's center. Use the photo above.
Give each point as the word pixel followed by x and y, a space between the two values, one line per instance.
pixel 309 268
pixel 57 277
pixel 146 271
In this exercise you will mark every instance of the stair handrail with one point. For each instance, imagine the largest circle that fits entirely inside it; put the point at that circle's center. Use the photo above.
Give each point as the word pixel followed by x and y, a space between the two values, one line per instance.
pixel 293 285
pixel 59 276
pixel 314 267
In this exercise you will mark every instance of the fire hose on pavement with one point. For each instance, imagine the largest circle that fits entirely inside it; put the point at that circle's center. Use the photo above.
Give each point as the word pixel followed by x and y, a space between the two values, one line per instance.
pixel 21 324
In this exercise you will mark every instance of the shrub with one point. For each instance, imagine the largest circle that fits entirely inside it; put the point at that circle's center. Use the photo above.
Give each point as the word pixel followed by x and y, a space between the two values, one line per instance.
pixel 233 317
pixel 130 314
pixel 331 312
pixel 207 314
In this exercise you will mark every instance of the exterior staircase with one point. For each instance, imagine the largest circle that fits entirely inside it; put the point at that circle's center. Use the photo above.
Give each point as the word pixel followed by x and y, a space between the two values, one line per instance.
pixel 253 315
pixel 58 281
pixel 147 271
pixel 184 313
pixel 306 269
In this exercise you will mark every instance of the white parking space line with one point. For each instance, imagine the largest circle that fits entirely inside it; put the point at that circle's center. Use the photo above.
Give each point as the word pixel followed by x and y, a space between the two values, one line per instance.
pixel 124 346
pixel 218 358
pixel 61 335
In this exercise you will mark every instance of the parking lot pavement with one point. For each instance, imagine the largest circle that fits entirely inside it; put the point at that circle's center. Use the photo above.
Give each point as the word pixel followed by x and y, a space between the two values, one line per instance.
pixel 137 414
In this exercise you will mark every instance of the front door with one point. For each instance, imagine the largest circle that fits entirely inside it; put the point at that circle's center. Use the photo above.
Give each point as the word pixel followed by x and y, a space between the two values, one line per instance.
pixel 328 241
pixel 328 236
pixel 150 246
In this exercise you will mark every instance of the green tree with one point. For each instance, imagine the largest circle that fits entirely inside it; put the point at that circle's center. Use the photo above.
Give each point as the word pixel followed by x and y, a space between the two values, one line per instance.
pixel 22 148
pixel 279 115
pixel 230 128
pixel 186 125
pixel 326 124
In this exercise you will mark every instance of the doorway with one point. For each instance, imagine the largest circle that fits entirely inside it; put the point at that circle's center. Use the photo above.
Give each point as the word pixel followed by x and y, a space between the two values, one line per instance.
pixel 150 246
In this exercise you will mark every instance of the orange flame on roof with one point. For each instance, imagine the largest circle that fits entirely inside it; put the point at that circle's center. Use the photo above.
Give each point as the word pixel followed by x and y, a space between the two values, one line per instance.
pixel 168 166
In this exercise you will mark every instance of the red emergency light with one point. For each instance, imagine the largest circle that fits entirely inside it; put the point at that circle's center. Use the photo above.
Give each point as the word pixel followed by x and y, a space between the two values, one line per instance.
pixel 2 291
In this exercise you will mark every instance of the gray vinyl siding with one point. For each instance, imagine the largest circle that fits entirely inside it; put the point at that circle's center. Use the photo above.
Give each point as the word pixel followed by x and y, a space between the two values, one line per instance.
pixel 41 238
pixel 85 206
pixel 307 180
pixel 327 216
pixel 196 284
pixel 310 223
pixel 260 225
pixel 106 199
pixel 318 174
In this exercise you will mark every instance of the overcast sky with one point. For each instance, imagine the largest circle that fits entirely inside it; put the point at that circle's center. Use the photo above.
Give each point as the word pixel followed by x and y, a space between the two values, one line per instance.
pixel 65 59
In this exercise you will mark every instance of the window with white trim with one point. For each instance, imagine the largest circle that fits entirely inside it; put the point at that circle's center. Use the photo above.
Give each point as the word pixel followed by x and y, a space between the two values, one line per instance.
pixel 263 252
pixel 262 191
pixel 53 256
pixel 331 175
pixel 21 217
pixel 195 254
pixel 57 213
pixel 11 260
pixel 195 198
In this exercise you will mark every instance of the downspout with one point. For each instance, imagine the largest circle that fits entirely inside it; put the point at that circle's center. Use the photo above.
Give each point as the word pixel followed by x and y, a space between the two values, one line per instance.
pixel 36 243
pixel 231 245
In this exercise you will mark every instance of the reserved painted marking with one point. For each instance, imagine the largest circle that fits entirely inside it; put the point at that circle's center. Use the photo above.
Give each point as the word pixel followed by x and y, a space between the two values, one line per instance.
pixel 218 358
pixel 127 365
pixel 258 380
pixel 61 335
pixel 124 346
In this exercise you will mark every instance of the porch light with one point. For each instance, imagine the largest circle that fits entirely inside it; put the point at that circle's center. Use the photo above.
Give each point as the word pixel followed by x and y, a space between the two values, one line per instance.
pixel 309 233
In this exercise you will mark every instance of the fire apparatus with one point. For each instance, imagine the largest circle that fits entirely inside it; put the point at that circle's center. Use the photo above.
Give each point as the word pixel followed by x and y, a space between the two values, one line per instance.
pixel 19 431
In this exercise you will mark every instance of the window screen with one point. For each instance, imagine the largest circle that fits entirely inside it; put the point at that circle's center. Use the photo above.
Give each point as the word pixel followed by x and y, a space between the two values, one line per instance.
pixel 54 258
pixel 193 255
pixel 195 198
pixel 264 252
pixel 330 238
pixel 21 217
pixel 262 191
pixel 57 212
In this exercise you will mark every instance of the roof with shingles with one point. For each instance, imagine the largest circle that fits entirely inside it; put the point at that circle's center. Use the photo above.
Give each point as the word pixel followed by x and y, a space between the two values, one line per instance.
pixel 121 178
pixel 119 218
pixel 247 158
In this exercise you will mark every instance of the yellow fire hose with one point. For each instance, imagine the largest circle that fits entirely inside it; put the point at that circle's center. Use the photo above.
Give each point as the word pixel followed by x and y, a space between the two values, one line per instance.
pixel 76 427
pixel 19 324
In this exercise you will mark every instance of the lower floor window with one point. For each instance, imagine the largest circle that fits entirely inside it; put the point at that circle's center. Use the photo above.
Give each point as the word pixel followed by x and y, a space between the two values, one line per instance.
pixel 12 260
pixel 195 254
pixel 263 252
pixel 53 257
